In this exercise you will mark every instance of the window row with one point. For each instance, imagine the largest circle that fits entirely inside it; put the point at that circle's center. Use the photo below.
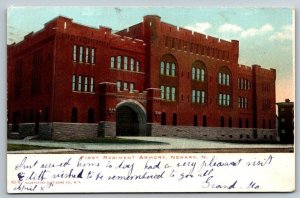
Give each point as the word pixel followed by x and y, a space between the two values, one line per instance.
pixel 224 99
pixel 223 79
pixel 124 86
pixel 196 48
pixel 244 84
pixel 222 122
pixel 242 103
pixel 90 115
pixel 125 63
pixel 198 96
pixel 30 116
pixel 168 93
pixel 83 54
pixel 168 69
pixel 82 83
pixel 198 74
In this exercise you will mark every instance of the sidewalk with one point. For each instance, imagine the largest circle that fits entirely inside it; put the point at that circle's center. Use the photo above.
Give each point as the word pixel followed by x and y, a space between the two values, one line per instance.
pixel 172 145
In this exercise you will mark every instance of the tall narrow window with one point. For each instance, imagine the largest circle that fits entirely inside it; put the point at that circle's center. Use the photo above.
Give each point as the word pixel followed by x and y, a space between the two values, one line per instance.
pixel 202 75
pixel 125 86
pixel 230 122
pixel 247 123
pixel 198 96
pixel 162 68
pixel 227 79
pixel 224 79
pixel 86 54
pixel 174 119
pixel 131 87
pixel 90 115
pixel 125 62
pixel 203 97
pixel 228 100
pixel 131 64
pixel 93 56
pixel 198 74
pixel 193 73
pixel 220 78
pixel 73 82
pixel 240 123
pixel 168 93
pixel 118 85
pixel 168 69
pixel 162 92
pixel 74 53
pixel 204 121
pixel 220 99
pixel 112 62
pixel 270 124
pixel 119 62
pixel 79 83
pixel 242 83
pixel 163 118
pixel 74 114
pixel 264 123
pixel 224 99
pixel 85 84
pixel 137 66
pixel 195 120
pixel 173 69
pixel 80 53
pixel 222 121
pixel 193 96
pixel 173 93
pixel 92 85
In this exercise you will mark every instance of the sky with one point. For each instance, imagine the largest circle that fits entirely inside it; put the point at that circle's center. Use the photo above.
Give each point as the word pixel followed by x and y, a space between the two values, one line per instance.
pixel 266 35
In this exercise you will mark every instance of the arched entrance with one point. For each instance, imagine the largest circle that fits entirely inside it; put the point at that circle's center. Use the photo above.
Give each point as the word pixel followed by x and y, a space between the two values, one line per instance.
pixel 130 119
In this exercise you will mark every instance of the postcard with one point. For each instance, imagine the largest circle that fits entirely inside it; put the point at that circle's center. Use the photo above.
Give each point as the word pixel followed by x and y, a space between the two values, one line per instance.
pixel 150 99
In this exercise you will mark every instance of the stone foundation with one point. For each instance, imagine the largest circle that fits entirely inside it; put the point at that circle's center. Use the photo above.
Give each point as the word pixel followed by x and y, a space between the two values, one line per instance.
pixel 215 133
pixel 45 131
pixel 67 131
pixel 27 129
pixel 107 128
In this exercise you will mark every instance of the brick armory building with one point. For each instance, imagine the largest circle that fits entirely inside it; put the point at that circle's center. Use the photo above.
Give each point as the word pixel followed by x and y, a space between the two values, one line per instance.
pixel 153 78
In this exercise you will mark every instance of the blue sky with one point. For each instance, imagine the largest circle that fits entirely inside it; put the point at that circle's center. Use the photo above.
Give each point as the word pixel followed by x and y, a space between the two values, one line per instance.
pixel 265 35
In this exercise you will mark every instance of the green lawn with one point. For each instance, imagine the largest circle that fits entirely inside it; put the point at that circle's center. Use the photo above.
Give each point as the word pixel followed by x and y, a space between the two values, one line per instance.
pixel 112 141
pixel 20 147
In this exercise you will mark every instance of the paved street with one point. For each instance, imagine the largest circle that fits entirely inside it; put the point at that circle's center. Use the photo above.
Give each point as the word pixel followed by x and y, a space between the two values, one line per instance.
pixel 171 145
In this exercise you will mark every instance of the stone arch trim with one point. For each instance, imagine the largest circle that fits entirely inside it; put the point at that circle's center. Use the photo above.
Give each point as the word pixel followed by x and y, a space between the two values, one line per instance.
pixel 131 102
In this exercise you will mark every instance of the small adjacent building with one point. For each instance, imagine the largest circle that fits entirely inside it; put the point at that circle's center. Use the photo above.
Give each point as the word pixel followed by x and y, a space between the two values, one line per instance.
pixel 286 121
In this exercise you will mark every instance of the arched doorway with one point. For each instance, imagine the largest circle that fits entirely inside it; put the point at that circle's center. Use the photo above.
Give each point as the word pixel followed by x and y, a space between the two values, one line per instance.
pixel 130 119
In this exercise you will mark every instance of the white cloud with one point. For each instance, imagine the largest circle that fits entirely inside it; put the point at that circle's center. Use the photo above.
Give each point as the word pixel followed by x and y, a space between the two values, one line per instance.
pixel 286 33
pixel 245 33
pixel 249 32
pixel 199 27
pixel 267 28
pixel 227 27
